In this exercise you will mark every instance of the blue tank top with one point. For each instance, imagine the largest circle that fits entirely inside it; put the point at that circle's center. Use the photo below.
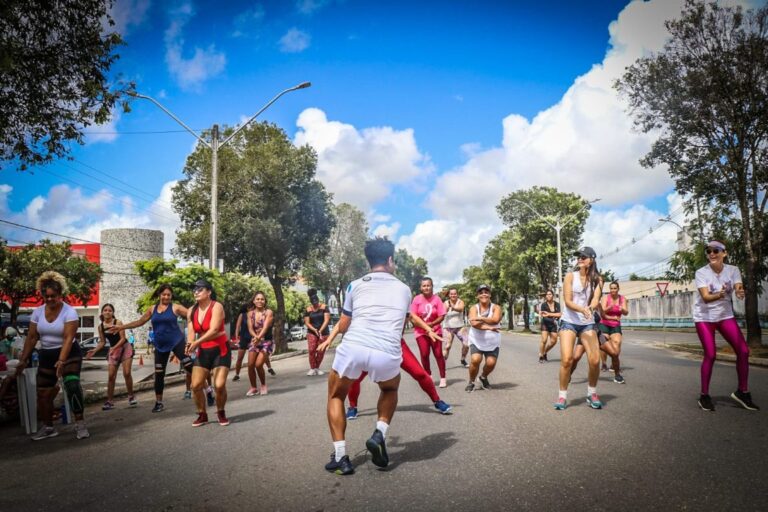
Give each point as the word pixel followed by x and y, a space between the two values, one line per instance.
pixel 166 329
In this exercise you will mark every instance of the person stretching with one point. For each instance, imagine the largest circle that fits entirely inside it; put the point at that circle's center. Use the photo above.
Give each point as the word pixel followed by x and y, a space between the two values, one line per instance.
pixel 429 308
pixel 484 337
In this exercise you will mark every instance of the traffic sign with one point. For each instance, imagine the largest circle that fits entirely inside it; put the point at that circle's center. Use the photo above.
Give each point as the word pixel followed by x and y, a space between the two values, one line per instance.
pixel 662 287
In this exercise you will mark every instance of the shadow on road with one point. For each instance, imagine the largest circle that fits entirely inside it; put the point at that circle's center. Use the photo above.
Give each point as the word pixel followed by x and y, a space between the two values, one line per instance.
pixel 242 418
pixel 429 447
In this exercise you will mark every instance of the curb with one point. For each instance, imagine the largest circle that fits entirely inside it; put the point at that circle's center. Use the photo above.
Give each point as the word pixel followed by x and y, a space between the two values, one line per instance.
pixel 754 361
pixel 97 391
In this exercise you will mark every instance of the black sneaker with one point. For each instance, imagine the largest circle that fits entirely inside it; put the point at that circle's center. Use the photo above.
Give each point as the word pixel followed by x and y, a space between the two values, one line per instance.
pixel 340 467
pixel 484 382
pixel 545 357
pixel 470 387
pixel 211 398
pixel 745 400
pixel 378 449
pixel 541 359
pixel 235 378
pixel 705 402
pixel 158 407
pixel 272 372
pixel 464 363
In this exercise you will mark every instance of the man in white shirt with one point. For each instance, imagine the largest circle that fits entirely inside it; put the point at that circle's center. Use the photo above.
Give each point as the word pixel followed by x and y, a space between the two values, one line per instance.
pixel 372 320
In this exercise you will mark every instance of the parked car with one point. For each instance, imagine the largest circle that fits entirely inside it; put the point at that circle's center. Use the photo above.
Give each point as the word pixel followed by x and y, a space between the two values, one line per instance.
pixel 90 344
pixel 22 323
pixel 298 332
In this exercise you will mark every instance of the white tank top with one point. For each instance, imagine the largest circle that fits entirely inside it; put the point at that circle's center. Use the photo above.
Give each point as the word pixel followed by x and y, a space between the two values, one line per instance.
pixel 453 319
pixel 482 339
pixel 580 296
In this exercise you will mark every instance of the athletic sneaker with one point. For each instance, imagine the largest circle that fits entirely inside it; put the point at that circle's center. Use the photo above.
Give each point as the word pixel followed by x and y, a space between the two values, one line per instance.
pixel 263 390
pixel 541 359
pixel 340 467
pixel 443 383
pixel 560 404
pixel 745 400
pixel 223 421
pixel 484 382
pixel 81 431
pixel 210 397
pixel 252 392
pixel 187 395
pixel 158 407
pixel 108 406
pixel 470 387
pixel 202 419
pixel 545 357
pixel 594 401
pixel 464 363
pixel 351 414
pixel 132 401
pixel 705 402
pixel 378 449
pixel 443 407
pixel 45 433
pixel 271 371
pixel 235 378
pixel 619 379
pixel 311 372
pixel 319 372
pixel 603 368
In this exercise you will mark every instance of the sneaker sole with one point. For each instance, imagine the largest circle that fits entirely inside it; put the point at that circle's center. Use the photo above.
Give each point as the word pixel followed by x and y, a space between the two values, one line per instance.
pixel 704 408
pixel 594 405
pixel 619 381
pixel 378 454
pixel 83 437
pixel 53 434
pixel 737 400
pixel 559 407
pixel 224 424
pixel 342 473
pixel 447 411
pixel 199 424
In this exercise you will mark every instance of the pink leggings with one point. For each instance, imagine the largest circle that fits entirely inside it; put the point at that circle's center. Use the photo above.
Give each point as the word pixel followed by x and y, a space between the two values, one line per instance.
pixel 729 330
pixel 425 343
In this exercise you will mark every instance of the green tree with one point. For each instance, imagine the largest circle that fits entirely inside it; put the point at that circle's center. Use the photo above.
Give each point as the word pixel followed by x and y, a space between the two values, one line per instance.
pixel 273 212
pixel 82 276
pixel 331 269
pixel 706 96
pixel 55 62
pixel 537 239
pixel 410 270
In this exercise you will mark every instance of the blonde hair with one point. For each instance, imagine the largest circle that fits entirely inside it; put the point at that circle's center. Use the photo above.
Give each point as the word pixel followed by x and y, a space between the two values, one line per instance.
pixel 52 279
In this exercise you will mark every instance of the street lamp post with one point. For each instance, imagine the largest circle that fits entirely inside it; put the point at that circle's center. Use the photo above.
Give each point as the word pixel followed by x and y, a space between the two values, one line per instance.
pixel 558 227
pixel 214 146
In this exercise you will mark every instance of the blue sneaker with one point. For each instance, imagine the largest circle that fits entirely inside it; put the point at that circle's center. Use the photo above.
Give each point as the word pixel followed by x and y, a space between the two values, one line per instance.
pixel 211 398
pixel 560 404
pixel 351 413
pixel 378 449
pixel 187 395
pixel 594 401
pixel 340 467
pixel 443 407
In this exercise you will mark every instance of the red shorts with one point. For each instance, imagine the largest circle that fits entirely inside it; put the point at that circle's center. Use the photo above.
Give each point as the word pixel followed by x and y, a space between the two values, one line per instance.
pixel 121 354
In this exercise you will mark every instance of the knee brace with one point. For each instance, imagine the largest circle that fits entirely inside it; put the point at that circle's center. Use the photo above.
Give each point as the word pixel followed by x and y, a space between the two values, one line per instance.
pixel 46 379
pixel 187 363
pixel 74 393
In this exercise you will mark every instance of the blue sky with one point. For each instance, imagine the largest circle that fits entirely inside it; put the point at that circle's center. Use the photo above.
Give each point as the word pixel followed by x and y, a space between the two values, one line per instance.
pixel 441 108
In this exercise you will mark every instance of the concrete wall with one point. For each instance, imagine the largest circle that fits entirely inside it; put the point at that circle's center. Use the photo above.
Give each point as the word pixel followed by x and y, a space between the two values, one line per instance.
pixel 121 285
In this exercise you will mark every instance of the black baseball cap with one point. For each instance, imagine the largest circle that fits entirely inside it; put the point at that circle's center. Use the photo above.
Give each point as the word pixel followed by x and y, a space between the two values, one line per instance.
pixel 202 283
pixel 482 287
pixel 586 251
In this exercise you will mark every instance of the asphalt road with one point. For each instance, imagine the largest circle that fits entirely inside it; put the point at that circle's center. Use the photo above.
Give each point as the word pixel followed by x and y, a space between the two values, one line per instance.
pixel 651 447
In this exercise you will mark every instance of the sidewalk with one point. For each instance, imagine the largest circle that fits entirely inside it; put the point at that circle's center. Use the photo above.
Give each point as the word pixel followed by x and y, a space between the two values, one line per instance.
pixel 719 355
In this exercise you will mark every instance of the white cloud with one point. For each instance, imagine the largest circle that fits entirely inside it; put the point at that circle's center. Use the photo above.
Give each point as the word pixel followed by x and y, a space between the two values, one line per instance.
pixel 294 41
pixel 380 217
pixel 387 230
pixel 311 6
pixel 360 166
pixel 106 132
pixel 127 14
pixel 205 63
pixel 248 21
pixel 69 211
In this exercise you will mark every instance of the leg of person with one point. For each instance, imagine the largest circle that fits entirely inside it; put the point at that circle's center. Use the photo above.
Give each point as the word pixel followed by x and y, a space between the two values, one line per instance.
pixel 438 353
pixel 239 363
pixel 706 333
pixel 578 353
pixel 386 409
pixel 46 392
pixel 111 378
pixel 338 387
pixel 260 359
pixel 411 366
pixel 74 390
pixel 312 343
pixel 464 348
pixel 319 357
pixel 185 363
pixel 129 381
pixel 354 394
pixel 475 359
pixel 729 329
pixel 254 390
pixel 448 336
pixel 612 347
pixel 543 344
pixel 603 359
pixel 423 342
pixel 567 342
pixel 588 338
pixel 268 362
pixel 199 377
pixel 551 342
pixel 490 364
pixel 220 373
pixel 161 363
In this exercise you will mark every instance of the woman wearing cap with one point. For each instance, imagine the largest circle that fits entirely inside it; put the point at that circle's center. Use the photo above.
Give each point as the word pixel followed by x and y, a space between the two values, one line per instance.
pixel 55 325
pixel 316 320
pixel 549 310
pixel 120 354
pixel 713 311
pixel 429 307
pixel 168 336
pixel 454 323
pixel 208 340
pixel 484 337
pixel 260 325
pixel 581 292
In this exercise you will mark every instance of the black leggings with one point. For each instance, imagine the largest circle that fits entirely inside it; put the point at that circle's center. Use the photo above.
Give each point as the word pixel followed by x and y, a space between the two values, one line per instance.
pixel 161 363
pixel 46 374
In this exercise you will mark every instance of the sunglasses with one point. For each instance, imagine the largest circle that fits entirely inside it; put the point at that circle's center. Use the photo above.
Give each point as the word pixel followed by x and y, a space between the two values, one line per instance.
pixel 198 289
pixel 712 251
pixel 582 257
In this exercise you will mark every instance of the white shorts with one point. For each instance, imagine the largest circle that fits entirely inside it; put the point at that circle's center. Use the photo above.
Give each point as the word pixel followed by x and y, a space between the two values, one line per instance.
pixel 351 360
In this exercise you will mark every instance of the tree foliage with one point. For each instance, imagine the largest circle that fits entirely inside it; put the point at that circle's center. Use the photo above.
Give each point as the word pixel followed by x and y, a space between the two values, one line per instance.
pixel 273 212
pixel 410 270
pixel 331 269
pixel 55 62
pixel 706 95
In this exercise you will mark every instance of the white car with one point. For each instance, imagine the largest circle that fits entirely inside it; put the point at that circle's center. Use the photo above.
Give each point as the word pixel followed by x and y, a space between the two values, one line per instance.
pixel 298 332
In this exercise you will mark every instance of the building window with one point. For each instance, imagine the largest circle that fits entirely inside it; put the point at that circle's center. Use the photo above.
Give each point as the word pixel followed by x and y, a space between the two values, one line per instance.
pixel 87 322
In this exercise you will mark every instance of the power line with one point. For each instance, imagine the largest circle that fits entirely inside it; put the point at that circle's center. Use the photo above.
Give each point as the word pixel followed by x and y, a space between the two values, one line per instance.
pixel 143 132
pixel 115 178
pixel 638 238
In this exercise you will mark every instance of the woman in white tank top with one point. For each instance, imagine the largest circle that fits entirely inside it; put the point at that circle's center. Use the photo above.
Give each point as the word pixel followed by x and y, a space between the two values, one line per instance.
pixel 484 337
pixel 581 297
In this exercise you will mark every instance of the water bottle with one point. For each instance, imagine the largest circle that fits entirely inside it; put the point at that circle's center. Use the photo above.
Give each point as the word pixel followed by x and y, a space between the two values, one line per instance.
pixel 35 359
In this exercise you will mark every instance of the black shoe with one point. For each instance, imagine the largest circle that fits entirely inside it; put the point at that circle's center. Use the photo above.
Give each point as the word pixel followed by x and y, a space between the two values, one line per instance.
pixel 745 400
pixel 705 402
pixel 470 387
pixel 158 407
pixel 235 378
pixel 211 399
pixel 272 372
pixel 484 382
pixel 378 449
pixel 545 357
pixel 340 467
pixel 464 363
pixel 541 359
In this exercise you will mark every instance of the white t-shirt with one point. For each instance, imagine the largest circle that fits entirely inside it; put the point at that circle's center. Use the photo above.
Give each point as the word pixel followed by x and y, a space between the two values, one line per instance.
pixel 378 304
pixel 580 296
pixel 52 334
pixel 453 319
pixel 485 340
pixel 720 309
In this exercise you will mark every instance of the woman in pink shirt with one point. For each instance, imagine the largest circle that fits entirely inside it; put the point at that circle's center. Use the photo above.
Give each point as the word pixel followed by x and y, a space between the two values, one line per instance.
pixel 613 306
pixel 429 307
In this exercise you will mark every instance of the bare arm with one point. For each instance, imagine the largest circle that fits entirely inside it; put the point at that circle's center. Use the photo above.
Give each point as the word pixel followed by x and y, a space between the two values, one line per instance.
pixel 180 310
pixel 326 321
pixel 29 344
pixel 249 320
pixel 269 317
pixel 417 321
pixel 122 341
pixel 70 330
pixel 437 321
pixel 341 327
pixel 136 323
pixel 101 344
pixel 307 323
pixel 711 297
pixel 238 324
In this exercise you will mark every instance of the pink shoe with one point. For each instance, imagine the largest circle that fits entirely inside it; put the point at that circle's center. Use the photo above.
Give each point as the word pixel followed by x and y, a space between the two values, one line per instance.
pixel 252 392
pixel 263 389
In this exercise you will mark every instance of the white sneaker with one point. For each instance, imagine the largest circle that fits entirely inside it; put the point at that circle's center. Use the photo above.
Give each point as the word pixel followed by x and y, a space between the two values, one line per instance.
pixel 443 383
pixel 45 433
pixel 319 372
pixel 81 431
pixel 311 372
pixel 252 392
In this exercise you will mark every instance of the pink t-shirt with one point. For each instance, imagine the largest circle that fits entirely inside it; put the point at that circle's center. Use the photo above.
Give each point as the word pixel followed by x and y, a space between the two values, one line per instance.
pixel 427 310
pixel 613 309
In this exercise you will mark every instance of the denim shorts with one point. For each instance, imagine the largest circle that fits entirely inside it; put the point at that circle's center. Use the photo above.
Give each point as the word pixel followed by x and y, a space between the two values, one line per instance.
pixel 578 329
